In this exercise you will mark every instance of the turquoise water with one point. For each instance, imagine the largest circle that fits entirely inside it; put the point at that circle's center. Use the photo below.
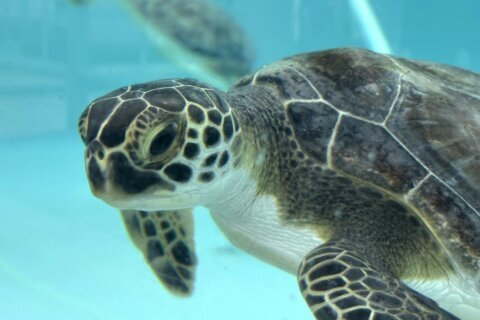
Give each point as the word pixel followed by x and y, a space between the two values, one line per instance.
pixel 64 254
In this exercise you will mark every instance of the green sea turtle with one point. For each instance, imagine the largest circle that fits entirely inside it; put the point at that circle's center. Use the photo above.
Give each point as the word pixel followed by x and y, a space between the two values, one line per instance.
pixel 357 171
pixel 195 34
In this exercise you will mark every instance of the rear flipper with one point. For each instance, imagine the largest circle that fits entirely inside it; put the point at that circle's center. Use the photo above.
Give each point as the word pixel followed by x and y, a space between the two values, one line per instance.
pixel 338 284
pixel 166 241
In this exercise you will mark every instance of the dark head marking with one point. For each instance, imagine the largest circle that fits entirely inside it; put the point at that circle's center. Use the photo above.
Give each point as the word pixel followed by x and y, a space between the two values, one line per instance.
pixel 196 114
pixel 99 112
pixel 196 95
pixel 191 150
pixel 223 159
pixel 207 176
pixel 178 172
pixel 228 128
pixel 215 117
pixel 219 101
pixel 211 136
pixel 192 133
pixel 168 99
pixel 210 160
pixel 114 132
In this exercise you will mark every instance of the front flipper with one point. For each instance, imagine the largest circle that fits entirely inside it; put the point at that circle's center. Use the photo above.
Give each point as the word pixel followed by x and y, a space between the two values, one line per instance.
pixel 166 241
pixel 339 285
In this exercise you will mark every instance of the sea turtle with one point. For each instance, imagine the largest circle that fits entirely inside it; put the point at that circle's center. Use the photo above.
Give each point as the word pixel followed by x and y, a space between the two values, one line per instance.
pixel 357 171
pixel 195 34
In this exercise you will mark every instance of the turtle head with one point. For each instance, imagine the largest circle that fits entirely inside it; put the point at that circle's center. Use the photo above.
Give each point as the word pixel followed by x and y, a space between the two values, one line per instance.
pixel 158 145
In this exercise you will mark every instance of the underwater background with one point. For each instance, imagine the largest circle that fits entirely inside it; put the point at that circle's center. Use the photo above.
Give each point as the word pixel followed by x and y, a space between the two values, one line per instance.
pixel 65 254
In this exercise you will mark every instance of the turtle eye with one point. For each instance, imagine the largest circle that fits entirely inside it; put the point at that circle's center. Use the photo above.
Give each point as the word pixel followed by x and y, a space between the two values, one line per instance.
pixel 163 140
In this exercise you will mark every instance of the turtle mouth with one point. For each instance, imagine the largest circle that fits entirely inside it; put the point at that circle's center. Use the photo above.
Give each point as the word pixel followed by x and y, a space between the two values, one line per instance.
pixel 95 176
pixel 150 202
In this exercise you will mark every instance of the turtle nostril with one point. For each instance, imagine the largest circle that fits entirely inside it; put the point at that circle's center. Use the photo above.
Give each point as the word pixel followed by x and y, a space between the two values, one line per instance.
pixel 95 148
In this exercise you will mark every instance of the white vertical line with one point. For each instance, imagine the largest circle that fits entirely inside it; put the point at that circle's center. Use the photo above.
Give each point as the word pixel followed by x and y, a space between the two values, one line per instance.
pixel 372 30
pixel 399 89
pixel 297 4
pixel 332 141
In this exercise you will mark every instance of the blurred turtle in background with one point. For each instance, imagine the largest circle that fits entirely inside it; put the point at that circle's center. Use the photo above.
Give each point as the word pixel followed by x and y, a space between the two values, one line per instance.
pixel 195 34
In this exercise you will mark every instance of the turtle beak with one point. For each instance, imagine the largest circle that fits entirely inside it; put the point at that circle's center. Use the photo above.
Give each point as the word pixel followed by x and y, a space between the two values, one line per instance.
pixel 95 175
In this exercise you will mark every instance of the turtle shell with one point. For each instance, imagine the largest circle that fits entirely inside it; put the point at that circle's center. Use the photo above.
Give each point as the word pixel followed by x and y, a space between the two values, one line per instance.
pixel 411 128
